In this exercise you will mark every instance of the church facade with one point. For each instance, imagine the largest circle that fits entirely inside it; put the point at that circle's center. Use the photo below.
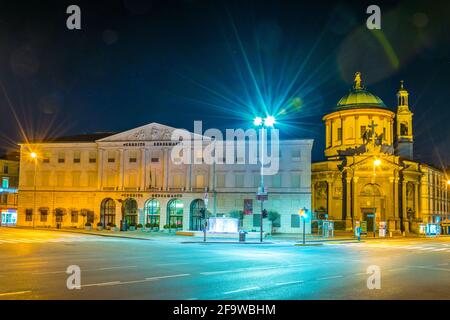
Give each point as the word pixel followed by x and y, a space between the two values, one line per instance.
pixel 370 173
pixel 109 178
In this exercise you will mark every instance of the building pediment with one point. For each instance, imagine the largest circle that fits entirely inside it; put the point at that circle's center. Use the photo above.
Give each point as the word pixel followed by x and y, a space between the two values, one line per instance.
pixel 367 163
pixel 149 132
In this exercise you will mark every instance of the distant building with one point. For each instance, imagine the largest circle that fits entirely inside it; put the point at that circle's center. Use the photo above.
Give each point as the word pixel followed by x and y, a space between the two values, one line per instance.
pixel 370 174
pixel 9 182
pixel 130 176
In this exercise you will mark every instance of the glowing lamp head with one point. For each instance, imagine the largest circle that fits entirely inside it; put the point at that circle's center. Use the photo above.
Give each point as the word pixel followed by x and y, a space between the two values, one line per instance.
pixel 269 121
pixel 258 121
pixel 33 155
pixel 448 182
pixel 377 162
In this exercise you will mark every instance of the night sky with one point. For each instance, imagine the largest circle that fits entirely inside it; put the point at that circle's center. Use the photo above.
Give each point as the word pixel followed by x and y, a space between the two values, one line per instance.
pixel 222 62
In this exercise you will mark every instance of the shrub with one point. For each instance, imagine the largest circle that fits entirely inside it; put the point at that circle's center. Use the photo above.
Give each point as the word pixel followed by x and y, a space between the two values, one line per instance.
pixel 111 224
pixel 99 224
pixel 148 225
pixel 166 226
pixel 132 224
pixel 139 225
pixel 155 225
pixel 87 224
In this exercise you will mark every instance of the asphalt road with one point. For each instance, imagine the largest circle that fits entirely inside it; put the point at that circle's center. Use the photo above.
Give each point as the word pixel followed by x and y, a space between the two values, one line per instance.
pixel 33 265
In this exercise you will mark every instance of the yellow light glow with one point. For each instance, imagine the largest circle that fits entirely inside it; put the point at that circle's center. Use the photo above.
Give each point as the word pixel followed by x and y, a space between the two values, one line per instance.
pixel 377 162
pixel 33 155
pixel 448 182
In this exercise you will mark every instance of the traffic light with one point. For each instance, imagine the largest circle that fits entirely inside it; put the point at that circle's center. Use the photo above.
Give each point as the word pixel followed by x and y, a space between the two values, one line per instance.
pixel 264 213
pixel 203 213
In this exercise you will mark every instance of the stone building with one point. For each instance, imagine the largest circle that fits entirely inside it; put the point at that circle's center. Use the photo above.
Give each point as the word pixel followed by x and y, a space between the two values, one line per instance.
pixel 131 176
pixel 370 173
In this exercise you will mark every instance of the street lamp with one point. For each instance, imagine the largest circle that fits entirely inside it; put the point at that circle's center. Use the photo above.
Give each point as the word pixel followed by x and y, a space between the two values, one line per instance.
pixel 302 213
pixel 377 162
pixel 261 195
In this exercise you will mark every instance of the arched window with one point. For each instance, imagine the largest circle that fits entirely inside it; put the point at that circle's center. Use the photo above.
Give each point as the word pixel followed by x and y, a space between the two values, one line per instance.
pixel 130 206
pixel 175 213
pixel 403 129
pixel 152 211
pixel 196 220
pixel 108 212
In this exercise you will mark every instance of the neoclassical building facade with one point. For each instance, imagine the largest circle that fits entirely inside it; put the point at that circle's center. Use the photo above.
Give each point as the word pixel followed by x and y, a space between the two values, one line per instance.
pixel 370 173
pixel 131 176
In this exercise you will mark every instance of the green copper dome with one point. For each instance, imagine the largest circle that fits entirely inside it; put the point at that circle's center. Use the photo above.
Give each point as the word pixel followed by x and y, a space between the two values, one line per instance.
pixel 358 98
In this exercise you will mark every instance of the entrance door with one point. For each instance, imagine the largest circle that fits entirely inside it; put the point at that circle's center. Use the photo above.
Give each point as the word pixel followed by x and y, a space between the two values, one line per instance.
pixel 369 217
pixel 130 206
pixel 196 223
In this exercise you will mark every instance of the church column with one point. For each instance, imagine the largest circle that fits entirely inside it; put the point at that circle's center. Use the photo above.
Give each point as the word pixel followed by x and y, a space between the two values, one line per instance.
pixel 143 168
pixel 357 130
pixel 396 200
pixel 356 214
pixel 121 168
pixel 416 200
pixel 348 206
pixel 404 207
pixel 100 169
pixel 329 195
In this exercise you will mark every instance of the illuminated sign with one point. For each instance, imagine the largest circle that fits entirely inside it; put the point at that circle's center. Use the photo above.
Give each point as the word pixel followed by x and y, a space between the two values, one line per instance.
pixel 223 225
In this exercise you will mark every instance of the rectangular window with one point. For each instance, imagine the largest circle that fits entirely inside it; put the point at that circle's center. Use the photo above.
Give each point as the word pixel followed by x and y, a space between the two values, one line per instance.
pixel 133 157
pixel 295 154
pixel 76 157
pixel 92 179
pixel 76 179
pixel 4 198
pixel 276 181
pixel 178 181
pixel 60 179
pixel 362 131
pixel 28 214
pixel 92 157
pixel 220 181
pixel 199 181
pixel 256 220
pixel 339 134
pixel 111 157
pixel 45 178
pixel 61 157
pixel 155 159
pixel 5 183
pixel 74 217
pixel 295 221
pixel 256 180
pixel 44 215
pixel 46 157
pixel 239 180
pixel 5 169
pixel 111 160
pixel 384 133
pixel 295 180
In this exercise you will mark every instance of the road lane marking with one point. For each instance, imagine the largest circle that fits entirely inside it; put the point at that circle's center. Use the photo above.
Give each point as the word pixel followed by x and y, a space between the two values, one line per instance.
pixel 328 278
pixel 440 249
pixel 431 268
pixel 166 277
pixel 288 283
pixel 397 269
pixel 13 293
pixel 242 290
pixel 86 270
pixel 113 283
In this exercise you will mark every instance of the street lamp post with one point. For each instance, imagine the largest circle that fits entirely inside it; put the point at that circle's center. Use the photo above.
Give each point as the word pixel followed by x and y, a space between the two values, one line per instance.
pixel 269 121
pixel 303 215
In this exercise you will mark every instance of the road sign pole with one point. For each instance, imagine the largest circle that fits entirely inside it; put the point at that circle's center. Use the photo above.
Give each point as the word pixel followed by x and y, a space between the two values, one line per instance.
pixel 304 237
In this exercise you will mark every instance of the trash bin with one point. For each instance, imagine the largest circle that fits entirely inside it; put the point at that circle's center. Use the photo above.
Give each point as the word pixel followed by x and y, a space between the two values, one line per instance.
pixel 242 236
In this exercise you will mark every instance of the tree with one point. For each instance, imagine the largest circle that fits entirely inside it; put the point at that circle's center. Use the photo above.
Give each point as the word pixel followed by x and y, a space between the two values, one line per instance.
pixel 237 214
pixel 274 218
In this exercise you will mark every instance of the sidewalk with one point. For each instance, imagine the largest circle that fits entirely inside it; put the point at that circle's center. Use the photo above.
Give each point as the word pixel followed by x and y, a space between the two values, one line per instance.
pixel 172 237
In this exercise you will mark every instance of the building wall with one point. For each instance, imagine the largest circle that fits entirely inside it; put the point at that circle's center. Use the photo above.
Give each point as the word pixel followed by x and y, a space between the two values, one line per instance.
pixel 145 171
pixel 9 179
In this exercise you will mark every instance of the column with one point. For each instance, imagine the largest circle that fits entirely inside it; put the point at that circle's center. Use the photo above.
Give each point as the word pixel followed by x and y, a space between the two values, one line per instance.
pixel 404 207
pixel 100 169
pixel 356 215
pixel 348 203
pixel 211 178
pixel 121 168
pixel 165 169
pixel 143 168
pixel 396 199
pixel 329 195
pixel 416 200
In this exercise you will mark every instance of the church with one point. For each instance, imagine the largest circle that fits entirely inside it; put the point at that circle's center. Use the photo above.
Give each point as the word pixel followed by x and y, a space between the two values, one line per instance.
pixel 370 173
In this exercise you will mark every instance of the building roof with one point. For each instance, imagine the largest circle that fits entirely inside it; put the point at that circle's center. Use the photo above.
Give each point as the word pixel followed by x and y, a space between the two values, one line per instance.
pixel 91 137
pixel 359 97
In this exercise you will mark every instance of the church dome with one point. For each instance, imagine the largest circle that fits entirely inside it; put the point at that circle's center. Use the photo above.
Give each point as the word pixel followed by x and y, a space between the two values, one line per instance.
pixel 359 97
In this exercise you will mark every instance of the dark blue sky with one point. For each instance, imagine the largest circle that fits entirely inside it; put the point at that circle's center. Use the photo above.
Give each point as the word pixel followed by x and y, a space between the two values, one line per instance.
pixel 222 62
